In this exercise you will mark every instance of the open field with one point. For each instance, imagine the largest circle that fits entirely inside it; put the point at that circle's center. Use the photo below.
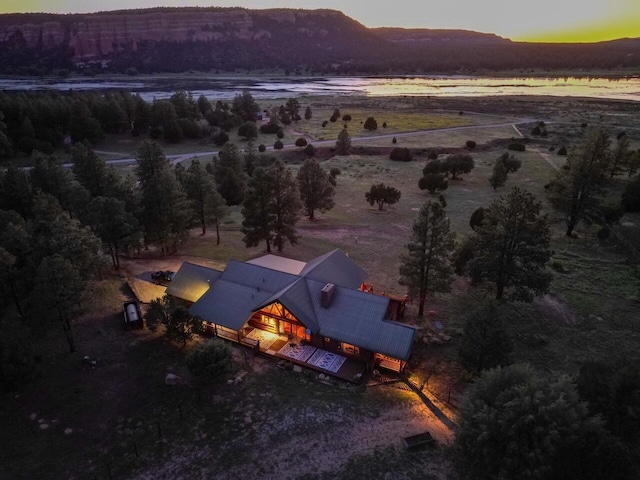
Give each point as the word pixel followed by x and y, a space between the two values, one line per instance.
pixel 275 424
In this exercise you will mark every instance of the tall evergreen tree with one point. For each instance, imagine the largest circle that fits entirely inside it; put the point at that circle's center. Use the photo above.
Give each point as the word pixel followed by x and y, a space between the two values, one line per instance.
pixel 499 175
pixel 50 177
pixel 512 246
pixel 316 191
pixel 118 229
pixel 426 267
pixel 207 204
pixel 229 173
pixel 259 218
pixel 165 209
pixel 293 108
pixel 576 187
pixel 271 207
pixel 286 205
pixel 343 144
pixel 308 113
pixel 90 170
pixel 58 294
pixel 245 107
pixel 517 425
pixel 16 191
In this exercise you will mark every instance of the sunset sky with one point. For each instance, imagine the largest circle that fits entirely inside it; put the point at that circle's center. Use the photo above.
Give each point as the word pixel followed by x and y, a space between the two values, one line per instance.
pixel 522 20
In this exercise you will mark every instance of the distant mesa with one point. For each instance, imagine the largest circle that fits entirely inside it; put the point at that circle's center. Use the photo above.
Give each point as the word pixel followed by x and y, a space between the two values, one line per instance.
pixel 296 41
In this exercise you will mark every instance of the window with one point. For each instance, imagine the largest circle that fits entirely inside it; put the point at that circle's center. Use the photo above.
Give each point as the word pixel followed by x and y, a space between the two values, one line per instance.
pixel 350 349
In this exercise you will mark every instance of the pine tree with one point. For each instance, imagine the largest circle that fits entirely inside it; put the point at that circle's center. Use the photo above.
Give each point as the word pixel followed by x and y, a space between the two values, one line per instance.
pixel 229 173
pixel 426 267
pixel 316 191
pixel 499 175
pixel 286 205
pixel 165 208
pixel 207 204
pixel 343 144
pixel 259 218
pixel 381 194
pixel 90 170
pixel 512 246
pixel 271 207
pixel 576 187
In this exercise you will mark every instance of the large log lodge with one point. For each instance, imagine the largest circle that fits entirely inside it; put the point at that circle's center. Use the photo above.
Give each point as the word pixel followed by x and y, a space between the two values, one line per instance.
pixel 319 314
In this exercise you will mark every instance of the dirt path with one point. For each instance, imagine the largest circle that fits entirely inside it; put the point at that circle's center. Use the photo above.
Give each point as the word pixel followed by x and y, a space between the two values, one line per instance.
pixel 324 143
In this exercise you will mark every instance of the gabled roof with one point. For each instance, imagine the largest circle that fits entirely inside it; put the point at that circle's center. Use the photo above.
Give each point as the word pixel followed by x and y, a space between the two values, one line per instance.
pixel 238 292
pixel 358 318
pixel 296 299
pixel 192 281
pixel 353 316
pixel 282 264
pixel 335 267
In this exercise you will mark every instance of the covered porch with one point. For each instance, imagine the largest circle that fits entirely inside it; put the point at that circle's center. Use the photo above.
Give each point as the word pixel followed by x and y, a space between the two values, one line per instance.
pixel 297 350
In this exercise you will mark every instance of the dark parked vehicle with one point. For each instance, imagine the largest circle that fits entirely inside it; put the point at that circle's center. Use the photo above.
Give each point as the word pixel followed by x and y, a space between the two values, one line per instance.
pixel 162 277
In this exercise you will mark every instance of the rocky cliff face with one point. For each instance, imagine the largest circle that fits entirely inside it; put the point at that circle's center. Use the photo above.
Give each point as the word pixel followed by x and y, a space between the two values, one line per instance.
pixel 102 34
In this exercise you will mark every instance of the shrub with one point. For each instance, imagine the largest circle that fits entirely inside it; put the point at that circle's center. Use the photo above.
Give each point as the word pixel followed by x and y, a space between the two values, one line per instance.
pixel 269 128
pixel 262 148
pixel 210 359
pixel 434 166
pixel 433 182
pixel 552 149
pixel 346 118
pixel 333 119
pixel 562 151
pixel 470 144
pixel 400 154
pixel 433 154
pixel 394 140
pixel 486 343
pixel 248 130
pixel 460 112
pixel 370 124
pixel 324 124
pixel 620 135
pixel 583 125
pixel 301 142
pixel 280 134
pixel 536 131
pixel 221 138
pixel 384 125
pixel 458 163
pixel 334 172
pixel 516 147
pixel 310 150
pixel 278 145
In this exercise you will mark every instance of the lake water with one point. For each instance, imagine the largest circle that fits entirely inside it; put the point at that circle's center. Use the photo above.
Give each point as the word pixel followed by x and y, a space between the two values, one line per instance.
pixel 225 87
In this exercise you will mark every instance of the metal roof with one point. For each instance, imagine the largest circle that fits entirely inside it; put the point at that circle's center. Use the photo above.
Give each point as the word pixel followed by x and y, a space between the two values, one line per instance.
pixel 335 267
pixel 353 316
pixel 228 304
pixel 358 318
pixel 191 281
pixel 282 264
